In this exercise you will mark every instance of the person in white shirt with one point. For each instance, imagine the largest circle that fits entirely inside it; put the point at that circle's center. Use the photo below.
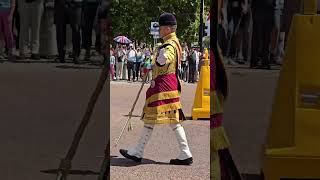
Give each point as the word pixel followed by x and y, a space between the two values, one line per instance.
pixel 111 68
pixel 198 58
pixel 30 19
pixel 192 65
pixel 184 62
pixel 140 58
pixel 120 56
pixel 48 43
pixel 131 60
pixel 124 69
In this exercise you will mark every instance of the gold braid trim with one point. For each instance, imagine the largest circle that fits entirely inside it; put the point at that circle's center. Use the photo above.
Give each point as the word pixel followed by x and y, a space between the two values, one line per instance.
pixel 219 139
pixel 215 170
pixel 163 96
pixel 168 68
pixel 179 49
pixel 216 106
pixel 171 117
pixel 162 108
pixel 161 121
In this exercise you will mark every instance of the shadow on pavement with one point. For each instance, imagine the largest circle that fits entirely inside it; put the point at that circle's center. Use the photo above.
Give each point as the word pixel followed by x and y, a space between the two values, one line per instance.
pixel 33 61
pixel 95 63
pixel 76 67
pixel 133 115
pixel 123 162
pixel 71 172
pixel 252 177
pixel 273 68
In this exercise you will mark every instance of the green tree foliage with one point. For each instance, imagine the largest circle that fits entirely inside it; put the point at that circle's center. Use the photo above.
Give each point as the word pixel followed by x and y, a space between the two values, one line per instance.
pixel 132 18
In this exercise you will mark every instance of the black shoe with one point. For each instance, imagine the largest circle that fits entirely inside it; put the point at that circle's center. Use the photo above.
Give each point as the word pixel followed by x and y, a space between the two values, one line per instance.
pixel 11 58
pixel 48 56
pixel 76 60
pixel 272 59
pixel 188 161
pixel 35 57
pixel 61 60
pixel 87 56
pixel 240 62
pixel 44 57
pixel 253 66
pixel 21 57
pixel 71 56
pixel 125 154
pixel 267 67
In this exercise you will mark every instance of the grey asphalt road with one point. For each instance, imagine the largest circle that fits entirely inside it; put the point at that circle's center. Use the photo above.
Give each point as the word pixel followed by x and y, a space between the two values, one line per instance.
pixel 247 113
pixel 162 146
pixel 41 107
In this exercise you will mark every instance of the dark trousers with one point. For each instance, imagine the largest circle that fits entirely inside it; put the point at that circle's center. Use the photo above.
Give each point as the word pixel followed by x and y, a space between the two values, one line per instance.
pixel 88 15
pixel 63 16
pixel 261 35
pixel 233 43
pixel 242 37
pixel 16 23
pixel 223 40
pixel 98 43
pixel 192 71
pixel 130 67
pixel 183 70
pixel 137 65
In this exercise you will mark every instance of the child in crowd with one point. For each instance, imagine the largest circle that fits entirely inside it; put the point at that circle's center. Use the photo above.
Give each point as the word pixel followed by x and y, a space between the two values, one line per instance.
pixel 112 63
pixel 147 68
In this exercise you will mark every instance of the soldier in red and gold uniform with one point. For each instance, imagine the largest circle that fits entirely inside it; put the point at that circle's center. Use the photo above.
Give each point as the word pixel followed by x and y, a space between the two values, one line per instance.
pixel 163 97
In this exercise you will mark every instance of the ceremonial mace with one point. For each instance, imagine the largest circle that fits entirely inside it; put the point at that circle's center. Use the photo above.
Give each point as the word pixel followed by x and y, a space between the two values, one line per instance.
pixel 131 111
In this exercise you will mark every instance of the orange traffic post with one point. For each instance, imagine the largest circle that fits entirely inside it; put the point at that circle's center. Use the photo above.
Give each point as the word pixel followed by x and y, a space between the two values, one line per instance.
pixel 293 148
pixel 201 105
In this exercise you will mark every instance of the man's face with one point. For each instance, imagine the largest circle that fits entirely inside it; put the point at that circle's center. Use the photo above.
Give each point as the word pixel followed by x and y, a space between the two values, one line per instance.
pixel 163 31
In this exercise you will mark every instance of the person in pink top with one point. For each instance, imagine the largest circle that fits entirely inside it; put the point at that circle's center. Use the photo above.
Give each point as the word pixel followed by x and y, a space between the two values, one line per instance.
pixel 6 14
